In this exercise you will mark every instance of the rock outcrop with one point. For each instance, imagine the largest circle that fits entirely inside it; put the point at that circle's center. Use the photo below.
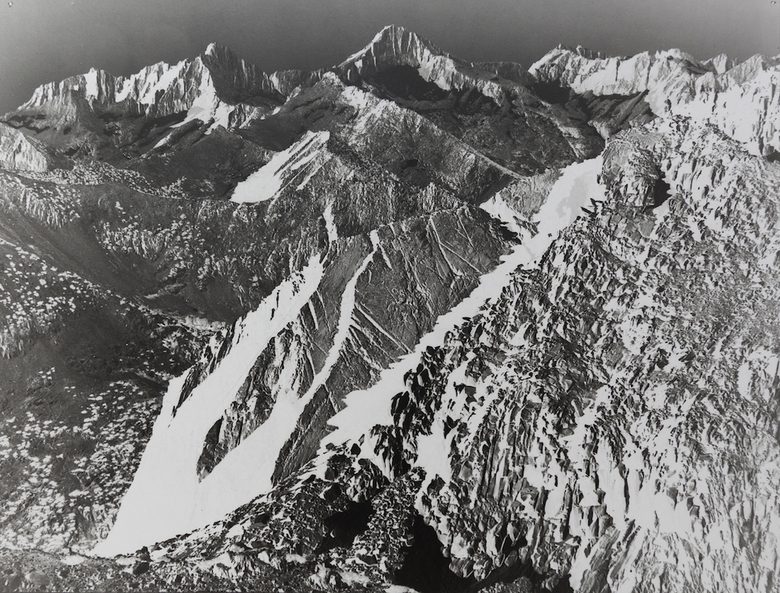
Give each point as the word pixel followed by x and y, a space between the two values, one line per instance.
pixel 587 423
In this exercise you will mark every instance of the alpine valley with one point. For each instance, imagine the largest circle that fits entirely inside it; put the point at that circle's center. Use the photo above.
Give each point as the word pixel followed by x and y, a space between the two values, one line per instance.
pixel 405 323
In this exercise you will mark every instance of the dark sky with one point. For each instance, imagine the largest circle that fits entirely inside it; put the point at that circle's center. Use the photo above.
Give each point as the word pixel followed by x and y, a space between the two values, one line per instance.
pixel 44 40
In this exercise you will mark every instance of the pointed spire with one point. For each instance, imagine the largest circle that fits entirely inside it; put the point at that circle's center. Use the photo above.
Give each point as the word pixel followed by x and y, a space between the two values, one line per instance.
pixel 394 40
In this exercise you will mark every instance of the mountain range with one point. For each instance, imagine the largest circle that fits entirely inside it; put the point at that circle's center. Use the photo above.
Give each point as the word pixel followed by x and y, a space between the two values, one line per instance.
pixel 405 323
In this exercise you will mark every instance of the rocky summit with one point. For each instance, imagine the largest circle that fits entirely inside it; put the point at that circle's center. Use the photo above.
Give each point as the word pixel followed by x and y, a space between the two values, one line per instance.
pixel 408 323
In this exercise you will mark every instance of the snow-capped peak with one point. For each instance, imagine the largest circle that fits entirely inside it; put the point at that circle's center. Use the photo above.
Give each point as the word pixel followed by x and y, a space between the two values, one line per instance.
pixel 579 50
pixel 396 46
pixel 212 49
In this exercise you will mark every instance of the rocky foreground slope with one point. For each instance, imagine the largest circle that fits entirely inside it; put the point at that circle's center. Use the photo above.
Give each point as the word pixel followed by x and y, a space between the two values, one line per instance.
pixel 410 321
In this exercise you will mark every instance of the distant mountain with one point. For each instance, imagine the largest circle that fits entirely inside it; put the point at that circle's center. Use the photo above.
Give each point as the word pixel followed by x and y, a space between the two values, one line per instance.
pixel 740 100
pixel 409 321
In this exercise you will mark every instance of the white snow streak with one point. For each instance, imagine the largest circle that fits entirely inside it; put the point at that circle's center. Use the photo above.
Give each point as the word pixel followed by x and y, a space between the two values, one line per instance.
pixel 364 409
pixel 149 92
pixel 498 208
pixel 330 224
pixel 247 470
pixel 92 89
pixel 166 498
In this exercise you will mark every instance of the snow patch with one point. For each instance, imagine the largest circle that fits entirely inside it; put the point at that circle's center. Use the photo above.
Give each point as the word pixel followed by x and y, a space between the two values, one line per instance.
pixel 265 183
pixel 499 209
pixel 124 92
pixel 206 104
pixel 148 94
pixel 164 141
pixel 92 89
pixel 433 451
pixel 744 377
pixel 330 224
pixel 358 99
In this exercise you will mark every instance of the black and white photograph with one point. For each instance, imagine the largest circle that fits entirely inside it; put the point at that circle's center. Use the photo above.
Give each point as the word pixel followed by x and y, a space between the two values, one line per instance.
pixel 390 296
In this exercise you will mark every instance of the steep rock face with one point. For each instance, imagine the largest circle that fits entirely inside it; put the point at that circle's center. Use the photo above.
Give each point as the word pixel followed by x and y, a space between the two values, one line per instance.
pixel 286 81
pixel 417 150
pixel 378 147
pixel 656 388
pixel 620 402
pixel 385 317
pixel 18 152
pixel 741 100
pixel 323 349
pixel 492 107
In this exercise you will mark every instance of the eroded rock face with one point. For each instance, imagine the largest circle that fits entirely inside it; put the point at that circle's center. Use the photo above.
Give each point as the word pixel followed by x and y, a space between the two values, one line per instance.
pixel 610 516
pixel 608 476
pixel 490 106
pixel 581 414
